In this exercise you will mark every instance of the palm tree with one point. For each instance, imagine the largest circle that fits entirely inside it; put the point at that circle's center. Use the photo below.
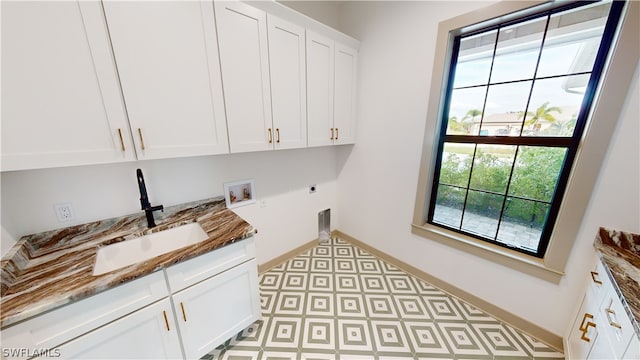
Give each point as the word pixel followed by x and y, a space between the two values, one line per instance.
pixel 468 119
pixel 542 113
pixel 563 128
pixel 463 126
pixel 472 114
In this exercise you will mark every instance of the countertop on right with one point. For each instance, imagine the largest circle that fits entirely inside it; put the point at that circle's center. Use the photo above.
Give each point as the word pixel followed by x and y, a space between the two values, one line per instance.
pixel 620 253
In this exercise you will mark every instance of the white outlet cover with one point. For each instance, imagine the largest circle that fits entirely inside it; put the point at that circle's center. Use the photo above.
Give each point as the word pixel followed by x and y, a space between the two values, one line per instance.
pixel 64 212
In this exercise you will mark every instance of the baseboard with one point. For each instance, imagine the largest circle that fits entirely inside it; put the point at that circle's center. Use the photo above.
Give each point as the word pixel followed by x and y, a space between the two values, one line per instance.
pixel 286 256
pixel 514 320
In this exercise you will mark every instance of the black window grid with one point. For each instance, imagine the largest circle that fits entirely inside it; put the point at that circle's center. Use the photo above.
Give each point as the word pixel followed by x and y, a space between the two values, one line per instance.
pixel 570 143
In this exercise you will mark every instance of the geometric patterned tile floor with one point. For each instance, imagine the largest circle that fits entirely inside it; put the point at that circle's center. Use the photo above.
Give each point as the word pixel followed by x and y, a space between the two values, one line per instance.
pixel 338 302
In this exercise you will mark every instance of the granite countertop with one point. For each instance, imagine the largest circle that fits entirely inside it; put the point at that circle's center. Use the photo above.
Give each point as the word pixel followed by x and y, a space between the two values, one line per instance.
pixel 620 253
pixel 47 270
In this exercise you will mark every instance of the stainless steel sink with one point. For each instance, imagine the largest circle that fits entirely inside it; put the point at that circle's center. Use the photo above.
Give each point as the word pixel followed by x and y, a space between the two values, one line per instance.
pixel 125 253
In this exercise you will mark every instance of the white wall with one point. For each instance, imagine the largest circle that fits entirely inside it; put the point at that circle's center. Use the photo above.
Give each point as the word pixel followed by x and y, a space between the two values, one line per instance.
pixel 285 214
pixel 326 12
pixel 376 185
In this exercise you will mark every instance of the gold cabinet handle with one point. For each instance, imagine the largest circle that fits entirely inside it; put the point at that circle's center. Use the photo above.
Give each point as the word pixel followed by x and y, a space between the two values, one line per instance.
pixel 337 133
pixel 585 327
pixel 141 138
pixel 611 322
pixel 594 277
pixel 121 139
pixel 184 314
pixel 277 135
pixel 584 318
pixel 270 136
pixel 331 134
pixel 166 321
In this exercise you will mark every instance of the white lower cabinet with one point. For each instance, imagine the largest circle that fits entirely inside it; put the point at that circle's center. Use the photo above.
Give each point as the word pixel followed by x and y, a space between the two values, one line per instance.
pixel 206 319
pixel 602 328
pixel 633 351
pixel 212 297
pixel 149 333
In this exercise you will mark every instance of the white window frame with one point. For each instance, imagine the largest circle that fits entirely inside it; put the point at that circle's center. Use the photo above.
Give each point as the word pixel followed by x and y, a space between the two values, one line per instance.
pixel 605 112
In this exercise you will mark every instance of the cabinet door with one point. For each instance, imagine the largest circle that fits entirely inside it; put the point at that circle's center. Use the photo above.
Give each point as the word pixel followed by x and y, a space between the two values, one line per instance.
pixel 633 350
pixel 167 58
pixel 320 79
pixel 242 35
pixel 61 103
pixel 601 349
pixel 288 83
pixel 148 333
pixel 584 330
pixel 616 325
pixel 346 61
pixel 214 310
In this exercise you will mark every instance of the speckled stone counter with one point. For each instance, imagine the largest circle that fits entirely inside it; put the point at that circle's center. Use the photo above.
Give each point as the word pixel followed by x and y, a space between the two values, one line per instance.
pixel 47 270
pixel 620 253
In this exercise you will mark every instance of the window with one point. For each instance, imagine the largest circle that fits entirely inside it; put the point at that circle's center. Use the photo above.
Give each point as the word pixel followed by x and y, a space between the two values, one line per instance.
pixel 517 100
pixel 598 115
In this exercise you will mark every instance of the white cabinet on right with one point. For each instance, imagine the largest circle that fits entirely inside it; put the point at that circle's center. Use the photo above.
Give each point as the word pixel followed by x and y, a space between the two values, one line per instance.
pixel 633 351
pixel 602 328
pixel 331 91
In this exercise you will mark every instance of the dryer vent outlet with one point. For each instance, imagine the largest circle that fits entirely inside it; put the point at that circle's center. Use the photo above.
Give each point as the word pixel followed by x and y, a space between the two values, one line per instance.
pixel 324 226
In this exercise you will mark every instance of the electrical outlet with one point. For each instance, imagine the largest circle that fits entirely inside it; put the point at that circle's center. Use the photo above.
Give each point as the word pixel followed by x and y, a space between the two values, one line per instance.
pixel 312 188
pixel 64 212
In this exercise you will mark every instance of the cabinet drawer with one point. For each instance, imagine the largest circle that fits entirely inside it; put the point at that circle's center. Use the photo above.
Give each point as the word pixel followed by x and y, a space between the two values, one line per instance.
pixel 598 282
pixel 190 272
pixel 58 326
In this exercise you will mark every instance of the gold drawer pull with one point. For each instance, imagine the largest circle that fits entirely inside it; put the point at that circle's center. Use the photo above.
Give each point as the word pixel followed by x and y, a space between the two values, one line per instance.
pixel 331 134
pixel 270 136
pixel 184 315
pixel 166 321
pixel 584 332
pixel 278 136
pixel 611 322
pixel 337 133
pixel 584 318
pixel 594 277
pixel 585 327
pixel 141 138
pixel 121 139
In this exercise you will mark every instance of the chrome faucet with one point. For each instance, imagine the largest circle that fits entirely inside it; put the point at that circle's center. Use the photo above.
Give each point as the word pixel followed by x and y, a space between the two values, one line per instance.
pixel 144 201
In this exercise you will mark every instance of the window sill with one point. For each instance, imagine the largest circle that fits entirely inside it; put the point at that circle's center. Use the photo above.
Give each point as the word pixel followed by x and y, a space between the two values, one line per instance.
pixel 497 254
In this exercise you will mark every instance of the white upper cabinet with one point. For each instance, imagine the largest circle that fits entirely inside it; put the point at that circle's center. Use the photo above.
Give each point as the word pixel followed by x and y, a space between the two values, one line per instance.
pixel 331 89
pixel 61 103
pixel 167 58
pixel 320 69
pixel 92 82
pixel 288 83
pixel 344 104
pixel 242 35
